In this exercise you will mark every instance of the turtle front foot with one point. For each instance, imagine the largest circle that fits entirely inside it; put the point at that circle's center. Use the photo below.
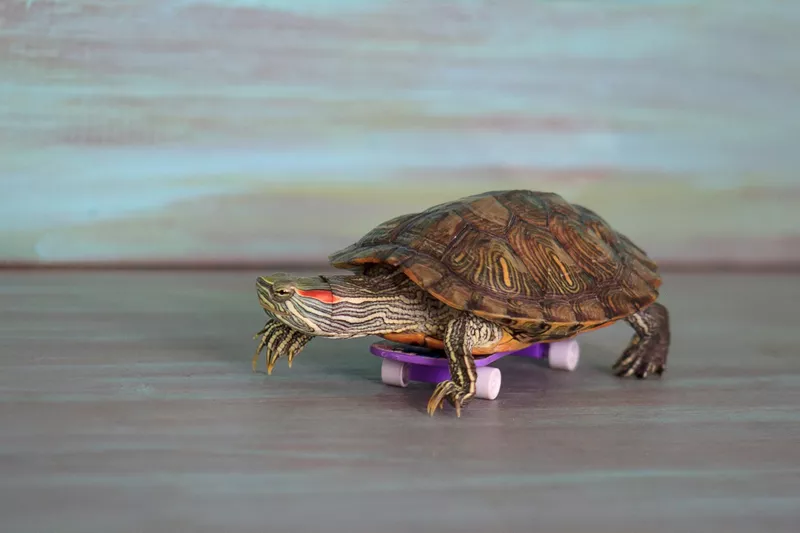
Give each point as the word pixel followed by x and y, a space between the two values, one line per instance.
pixel 279 339
pixel 455 395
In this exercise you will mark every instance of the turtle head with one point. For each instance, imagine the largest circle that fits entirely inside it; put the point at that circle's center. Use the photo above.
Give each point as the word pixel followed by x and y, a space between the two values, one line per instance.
pixel 303 303
pixel 344 307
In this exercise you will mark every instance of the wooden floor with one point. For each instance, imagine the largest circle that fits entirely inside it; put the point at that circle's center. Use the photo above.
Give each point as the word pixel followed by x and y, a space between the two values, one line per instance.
pixel 127 404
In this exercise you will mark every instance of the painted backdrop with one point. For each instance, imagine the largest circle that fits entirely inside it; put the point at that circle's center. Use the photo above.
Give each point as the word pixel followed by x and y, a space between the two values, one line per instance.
pixel 280 130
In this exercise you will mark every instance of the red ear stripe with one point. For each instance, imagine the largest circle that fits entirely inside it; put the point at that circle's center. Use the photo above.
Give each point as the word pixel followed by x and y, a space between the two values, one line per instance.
pixel 319 294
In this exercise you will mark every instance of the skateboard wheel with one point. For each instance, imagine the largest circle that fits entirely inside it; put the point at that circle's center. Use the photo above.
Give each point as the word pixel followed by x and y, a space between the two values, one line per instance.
pixel 394 373
pixel 564 355
pixel 487 386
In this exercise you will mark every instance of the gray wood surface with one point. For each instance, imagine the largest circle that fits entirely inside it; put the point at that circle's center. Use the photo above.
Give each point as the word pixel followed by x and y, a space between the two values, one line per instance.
pixel 127 404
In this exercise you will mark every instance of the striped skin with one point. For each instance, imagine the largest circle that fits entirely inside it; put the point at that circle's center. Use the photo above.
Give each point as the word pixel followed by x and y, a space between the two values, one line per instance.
pixel 461 336
pixel 388 305
pixel 379 302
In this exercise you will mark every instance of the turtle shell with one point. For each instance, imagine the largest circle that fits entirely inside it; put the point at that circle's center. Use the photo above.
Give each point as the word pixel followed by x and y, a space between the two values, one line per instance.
pixel 525 259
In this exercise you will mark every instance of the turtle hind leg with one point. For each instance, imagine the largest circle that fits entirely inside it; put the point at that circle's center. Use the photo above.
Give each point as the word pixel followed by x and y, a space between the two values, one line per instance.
pixel 647 352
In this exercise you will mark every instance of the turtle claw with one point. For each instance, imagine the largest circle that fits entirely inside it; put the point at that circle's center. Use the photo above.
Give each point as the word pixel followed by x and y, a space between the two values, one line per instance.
pixel 271 360
pixel 266 339
pixel 448 390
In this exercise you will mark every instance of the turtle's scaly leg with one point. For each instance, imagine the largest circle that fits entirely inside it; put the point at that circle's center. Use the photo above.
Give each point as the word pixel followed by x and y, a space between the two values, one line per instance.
pixel 462 335
pixel 647 352
pixel 279 339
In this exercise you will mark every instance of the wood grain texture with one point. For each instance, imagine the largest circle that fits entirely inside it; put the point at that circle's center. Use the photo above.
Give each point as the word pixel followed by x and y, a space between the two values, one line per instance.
pixel 127 404
pixel 273 130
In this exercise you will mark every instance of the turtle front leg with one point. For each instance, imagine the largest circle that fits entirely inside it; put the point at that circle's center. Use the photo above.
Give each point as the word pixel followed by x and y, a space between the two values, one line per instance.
pixel 461 336
pixel 647 352
pixel 279 339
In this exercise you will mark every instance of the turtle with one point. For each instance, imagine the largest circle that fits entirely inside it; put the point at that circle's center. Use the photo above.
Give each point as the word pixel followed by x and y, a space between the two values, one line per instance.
pixel 490 272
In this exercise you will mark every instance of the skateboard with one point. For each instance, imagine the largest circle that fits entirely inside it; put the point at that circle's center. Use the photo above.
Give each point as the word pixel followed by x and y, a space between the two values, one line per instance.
pixel 403 364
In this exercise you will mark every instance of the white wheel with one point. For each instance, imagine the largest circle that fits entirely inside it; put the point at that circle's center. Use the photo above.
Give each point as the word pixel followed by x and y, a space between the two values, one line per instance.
pixel 488 385
pixel 564 355
pixel 394 373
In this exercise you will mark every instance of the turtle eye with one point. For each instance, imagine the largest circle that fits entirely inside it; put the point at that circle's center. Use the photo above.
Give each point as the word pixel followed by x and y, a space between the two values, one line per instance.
pixel 282 291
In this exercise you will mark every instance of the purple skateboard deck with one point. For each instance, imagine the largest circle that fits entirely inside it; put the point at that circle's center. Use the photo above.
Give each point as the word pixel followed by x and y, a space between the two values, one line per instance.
pixel 432 366
pixel 422 356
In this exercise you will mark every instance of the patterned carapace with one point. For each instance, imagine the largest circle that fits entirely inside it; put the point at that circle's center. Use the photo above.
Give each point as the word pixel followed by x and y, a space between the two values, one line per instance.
pixel 529 260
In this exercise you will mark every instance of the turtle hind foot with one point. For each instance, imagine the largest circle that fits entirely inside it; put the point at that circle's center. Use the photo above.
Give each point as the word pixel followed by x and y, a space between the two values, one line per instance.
pixel 643 360
pixel 646 355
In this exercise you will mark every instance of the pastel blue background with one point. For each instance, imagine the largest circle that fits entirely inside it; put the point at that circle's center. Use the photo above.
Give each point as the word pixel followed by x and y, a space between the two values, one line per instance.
pixel 270 131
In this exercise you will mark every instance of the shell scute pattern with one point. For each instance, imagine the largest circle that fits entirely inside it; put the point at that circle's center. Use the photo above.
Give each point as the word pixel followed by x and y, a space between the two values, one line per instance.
pixel 551 270
pixel 525 258
pixel 489 215
pixel 486 261
pixel 431 235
